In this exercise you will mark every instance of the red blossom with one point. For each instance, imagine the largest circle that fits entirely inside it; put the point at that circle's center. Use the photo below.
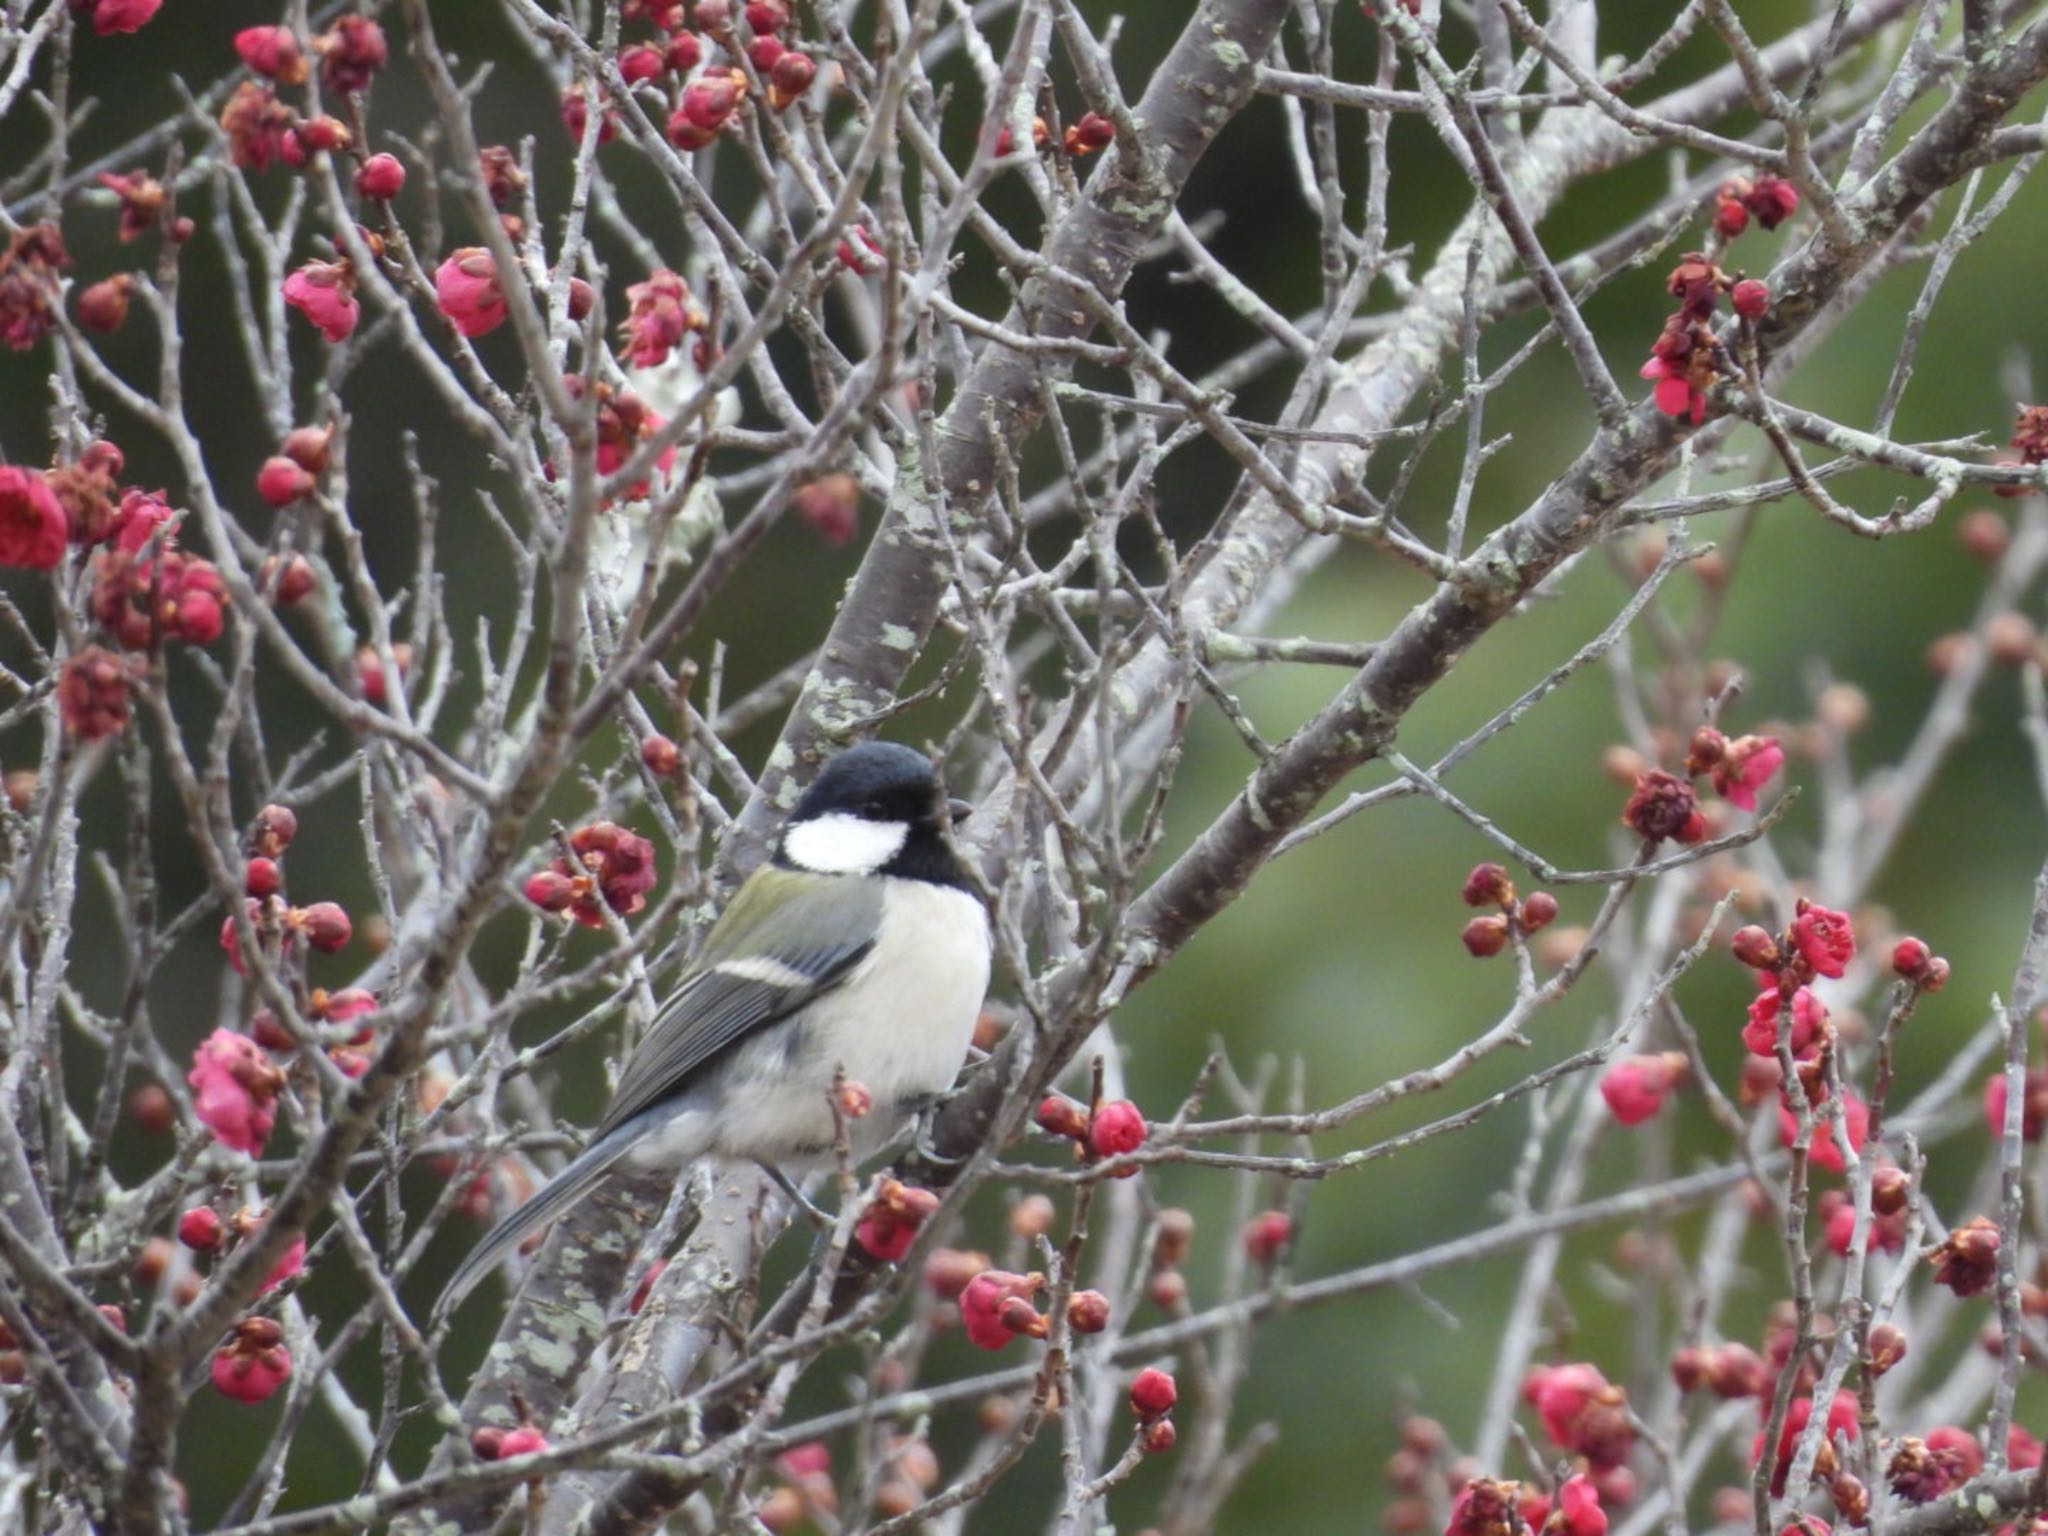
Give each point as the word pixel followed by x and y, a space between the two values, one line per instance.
pixel 256 124
pixel 1745 767
pixel 1486 1507
pixel 1578 1511
pixel 1841 1421
pixel 467 289
pixel 890 1223
pixel 253 1363
pixel 576 117
pixel 1824 1151
pixel 33 530
pixel 1664 806
pixel 1636 1086
pixel 1809 1021
pixel 381 178
pixel 351 52
pixel 1967 1261
pixel 325 293
pixel 272 52
pixel 1153 1393
pixel 92 693
pixel 1824 938
pixel 2033 1105
pixel 142 200
pixel 1582 1412
pixel 1115 1128
pixel 235 1089
pixel 831 505
pixel 981 1305
pixel 280 482
pixel 103 307
pixel 1773 200
pixel 29 267
pixel 660 313
pixel 112 16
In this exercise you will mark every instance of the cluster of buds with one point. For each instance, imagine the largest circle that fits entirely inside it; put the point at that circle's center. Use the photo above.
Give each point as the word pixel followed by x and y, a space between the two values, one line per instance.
pixel 613 868
pixel 1091 134
pixel 1635 1087
pixel 253 1363
pixel 1486 1506
pixel 1173 1238
pixel 1112 1129
pixel 1770 200
pixel 1153 1395
pixel 1737 767
pixel 146 589
pixel 234 1090
pixel 33 527
pixel 1923 1468
pixel 709 105
pixel 202 1230
pixel 1837 1214
pixel 291 473
pixel 351 52
pixel 1583 1413
pixel 1488 885
pixel 1841 1423
pixel 1729 1371
pixel 1966 1261
pixel 1686 359
pixel 92 693
pixel 806 1489
pixel 1819 942
pixel 660 313
pixel 890 1223
pixel 624 422
pixel 29 270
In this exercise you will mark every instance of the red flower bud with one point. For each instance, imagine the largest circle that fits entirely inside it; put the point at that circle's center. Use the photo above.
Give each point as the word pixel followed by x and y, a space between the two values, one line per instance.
pixel 1153 1394
pixel 1158 1437
pixel 325 925
pixel 1267 1236
pixel 1750 298
pixel 1488 886
pixel 1538 911
pixel 381 178
pixel 660 756
pixel 1486 936
pixel 1116 1127
pixel 551 891
pixel 1088 1312
pixel 1755 948
pixel 275 828
pixel 261 878
pixel 200 1229
pixel 281 482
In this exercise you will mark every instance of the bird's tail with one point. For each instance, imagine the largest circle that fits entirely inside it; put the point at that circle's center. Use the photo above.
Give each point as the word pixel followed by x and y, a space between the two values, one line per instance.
pixel 553 1200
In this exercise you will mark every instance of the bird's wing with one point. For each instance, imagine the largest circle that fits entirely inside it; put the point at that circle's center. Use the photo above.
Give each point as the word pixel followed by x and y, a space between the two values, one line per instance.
pixel 784 939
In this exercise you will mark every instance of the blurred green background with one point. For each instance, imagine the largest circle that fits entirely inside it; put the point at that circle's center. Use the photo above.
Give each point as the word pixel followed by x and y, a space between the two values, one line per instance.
pixel 1346 954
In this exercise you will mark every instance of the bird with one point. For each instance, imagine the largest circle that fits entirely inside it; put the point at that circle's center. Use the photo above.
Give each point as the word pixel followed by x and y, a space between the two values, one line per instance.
pixel 859 949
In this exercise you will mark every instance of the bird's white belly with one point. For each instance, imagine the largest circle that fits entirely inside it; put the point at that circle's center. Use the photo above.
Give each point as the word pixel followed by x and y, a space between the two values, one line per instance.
pixel 899 1026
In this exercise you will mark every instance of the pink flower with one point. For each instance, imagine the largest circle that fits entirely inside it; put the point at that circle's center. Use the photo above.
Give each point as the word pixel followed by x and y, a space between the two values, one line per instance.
pixel 92 694
pixel 466 287
pixel 889 1225
pixel 1579 1512
pixel 325 293
pixel 2033 1105
pixel 111 16
pixel 619 867
pixel 1745 768
pixel 1809 1019
pixel 659 316
pixel 235 1090
pixel 33 532
pixel 1823 1151
pixel 1824 938
pixel 254 1363
pixel 273 52
pixel 1115 1128
pixel 981 1305
pixel 1841 1421
pixel 292 1263
pixel 1582 1412
pixel 351 53
pixel 1635 1087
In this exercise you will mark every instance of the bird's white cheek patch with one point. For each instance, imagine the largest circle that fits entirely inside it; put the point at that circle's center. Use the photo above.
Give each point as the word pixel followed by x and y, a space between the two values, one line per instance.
pixel 839 844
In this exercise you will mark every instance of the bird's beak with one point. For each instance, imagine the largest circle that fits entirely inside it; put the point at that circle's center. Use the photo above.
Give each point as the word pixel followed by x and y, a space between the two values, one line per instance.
pixel 958 810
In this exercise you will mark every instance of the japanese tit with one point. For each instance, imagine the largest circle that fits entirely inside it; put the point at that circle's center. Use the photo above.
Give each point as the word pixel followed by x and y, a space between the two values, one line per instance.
pixel 860 948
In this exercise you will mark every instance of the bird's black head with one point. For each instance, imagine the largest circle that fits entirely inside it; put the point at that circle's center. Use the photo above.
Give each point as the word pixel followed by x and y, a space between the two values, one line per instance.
pixel 877 808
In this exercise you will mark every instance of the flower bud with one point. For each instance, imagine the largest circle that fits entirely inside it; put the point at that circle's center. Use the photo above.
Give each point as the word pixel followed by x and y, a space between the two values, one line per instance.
pixel 1538 911
pixel 1488 885
pixel 1032 1217
pixel 1485 936
pixel 1755 948
pixel 660 756
pixel 1885 1348
pixel 1158 1437
pixel 1910 957
pixel 1173 1235
pixel 1062 1117
pixel 1153 1394
pixel 1088 1312
pixel 381 178
pixel 200 1229
pixel 1267 1236
pixel 261 878
pixel 1750 299
pixel 1115 1128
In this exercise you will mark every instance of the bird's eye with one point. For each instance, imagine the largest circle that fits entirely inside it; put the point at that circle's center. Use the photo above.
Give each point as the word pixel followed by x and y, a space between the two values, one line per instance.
pixel 874 810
